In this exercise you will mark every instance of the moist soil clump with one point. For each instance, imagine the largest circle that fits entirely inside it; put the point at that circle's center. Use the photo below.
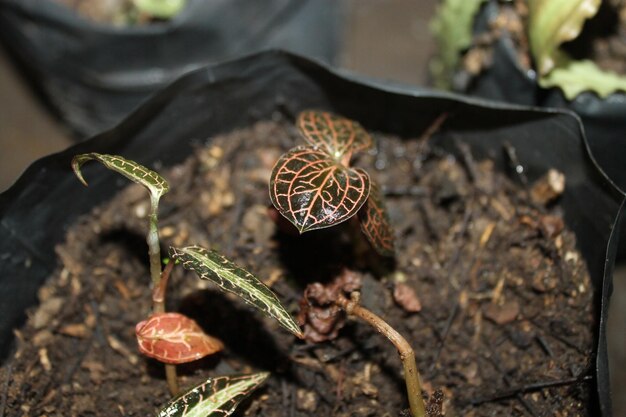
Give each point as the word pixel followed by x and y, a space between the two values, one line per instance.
pixel 487 286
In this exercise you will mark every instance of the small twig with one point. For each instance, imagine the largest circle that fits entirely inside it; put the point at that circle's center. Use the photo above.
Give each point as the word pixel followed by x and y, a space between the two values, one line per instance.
pixel 444 335
pixel 285 398
pixel 560 338
pixel 468 159
pixel 427 218
pixel 79 359
pixel 514 162
pixel 527 405
pixel 340 380
pixel 454 259
pixel 5 389
pixel 432 129
pixel 518 395
pixel 536 386
pixel 544 345
pixel 98 330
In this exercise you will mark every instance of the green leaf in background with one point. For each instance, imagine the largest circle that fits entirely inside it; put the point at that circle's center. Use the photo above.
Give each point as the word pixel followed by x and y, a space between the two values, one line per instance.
pixel 575 77
pixel 217 397
pixel 156 184
pixel 452 28
pixel 214 267
pixel 552 22
pixel 162 9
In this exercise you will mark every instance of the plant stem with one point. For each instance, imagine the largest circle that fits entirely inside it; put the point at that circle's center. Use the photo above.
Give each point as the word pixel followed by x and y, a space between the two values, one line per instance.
pixel 411 374
pixel 172 379
pixel 154 247
pixel 159 282
pixel 158 293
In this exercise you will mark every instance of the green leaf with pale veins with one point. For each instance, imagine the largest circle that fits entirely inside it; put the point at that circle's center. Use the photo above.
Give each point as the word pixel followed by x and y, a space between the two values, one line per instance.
pixel 156 184
pixel 314 191
pixel 216 397
pixel 212 266
pixel 337 136
pixel 552 22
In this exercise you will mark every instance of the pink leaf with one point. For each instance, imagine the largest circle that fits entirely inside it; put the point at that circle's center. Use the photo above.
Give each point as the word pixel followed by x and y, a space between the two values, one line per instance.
pixel 174 338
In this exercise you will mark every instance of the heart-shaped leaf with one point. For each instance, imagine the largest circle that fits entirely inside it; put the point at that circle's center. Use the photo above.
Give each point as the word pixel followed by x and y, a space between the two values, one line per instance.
pixel 338 136
pixel 313 191
pixel 174 338
pixel 230 277
pixel 156 184
pixel 216 397
pixel 375 223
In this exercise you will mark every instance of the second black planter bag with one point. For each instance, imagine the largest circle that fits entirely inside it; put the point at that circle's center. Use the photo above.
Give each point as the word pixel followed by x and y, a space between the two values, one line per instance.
pixel 92 75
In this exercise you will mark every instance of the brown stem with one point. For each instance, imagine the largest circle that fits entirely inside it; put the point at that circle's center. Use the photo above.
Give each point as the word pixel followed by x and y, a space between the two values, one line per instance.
pixel 158 293
pixel 411 374
pixel 172 379
pixel 158 306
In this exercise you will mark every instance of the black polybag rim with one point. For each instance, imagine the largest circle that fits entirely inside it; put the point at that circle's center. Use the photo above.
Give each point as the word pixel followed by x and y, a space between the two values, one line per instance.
pixel 211 75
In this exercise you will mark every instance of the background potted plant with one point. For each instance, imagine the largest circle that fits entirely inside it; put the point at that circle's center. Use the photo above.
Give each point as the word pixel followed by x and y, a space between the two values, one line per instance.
pixel 541 52
pixel 59 47
pixel 269 85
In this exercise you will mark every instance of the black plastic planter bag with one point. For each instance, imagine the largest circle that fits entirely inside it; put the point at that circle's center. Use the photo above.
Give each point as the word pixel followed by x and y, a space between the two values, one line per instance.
pixel 38 209
pixel 92 75
pixel 604 119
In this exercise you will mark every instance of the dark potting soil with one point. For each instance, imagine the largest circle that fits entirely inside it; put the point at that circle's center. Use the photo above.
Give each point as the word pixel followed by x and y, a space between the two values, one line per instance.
pixel 505 325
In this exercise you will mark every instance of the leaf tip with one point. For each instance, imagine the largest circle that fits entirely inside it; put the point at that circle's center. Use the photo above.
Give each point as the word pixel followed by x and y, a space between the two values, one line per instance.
pixel 77 162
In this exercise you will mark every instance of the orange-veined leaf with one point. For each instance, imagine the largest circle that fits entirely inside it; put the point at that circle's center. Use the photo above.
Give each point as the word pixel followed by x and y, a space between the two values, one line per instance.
pixel 155 183
pixel 174 338
pixel 228 276
pixel 216 397
pixel 375 223
pixel 338 136
pixel 313 191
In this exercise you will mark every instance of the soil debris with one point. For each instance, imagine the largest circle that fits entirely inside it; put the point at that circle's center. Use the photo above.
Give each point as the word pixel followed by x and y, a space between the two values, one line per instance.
pixel 506 302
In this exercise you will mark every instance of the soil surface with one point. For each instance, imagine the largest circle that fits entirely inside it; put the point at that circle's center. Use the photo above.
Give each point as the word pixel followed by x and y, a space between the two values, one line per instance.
pixel 504 325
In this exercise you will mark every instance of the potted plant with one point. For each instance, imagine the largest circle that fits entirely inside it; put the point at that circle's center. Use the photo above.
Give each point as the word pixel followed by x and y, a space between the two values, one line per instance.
pixel 59 48
pixel 261 97
pixel 546 53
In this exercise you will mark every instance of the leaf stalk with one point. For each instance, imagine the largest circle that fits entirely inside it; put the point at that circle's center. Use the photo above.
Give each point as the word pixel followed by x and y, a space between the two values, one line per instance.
pixel 407 355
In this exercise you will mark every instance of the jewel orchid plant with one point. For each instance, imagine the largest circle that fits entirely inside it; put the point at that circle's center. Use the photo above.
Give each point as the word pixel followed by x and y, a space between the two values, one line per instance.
pixel 314 186
pixel 173 338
